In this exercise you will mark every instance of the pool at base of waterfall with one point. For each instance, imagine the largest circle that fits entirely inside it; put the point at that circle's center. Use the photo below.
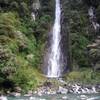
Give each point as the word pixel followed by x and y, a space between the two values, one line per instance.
pixel 59 97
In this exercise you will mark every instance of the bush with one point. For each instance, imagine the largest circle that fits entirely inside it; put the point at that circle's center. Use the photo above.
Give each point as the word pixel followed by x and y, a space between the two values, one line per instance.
pixel 85 76
pixel 24 77
pixel 75 76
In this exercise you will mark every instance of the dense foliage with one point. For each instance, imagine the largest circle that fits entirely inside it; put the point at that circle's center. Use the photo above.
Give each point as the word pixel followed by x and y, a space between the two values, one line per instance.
pixel 22 41
pixel 21 44
pixel 83 39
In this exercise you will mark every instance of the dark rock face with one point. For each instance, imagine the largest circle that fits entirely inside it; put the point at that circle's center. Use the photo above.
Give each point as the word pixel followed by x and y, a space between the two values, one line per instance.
pixel 65 41
pixel 71 25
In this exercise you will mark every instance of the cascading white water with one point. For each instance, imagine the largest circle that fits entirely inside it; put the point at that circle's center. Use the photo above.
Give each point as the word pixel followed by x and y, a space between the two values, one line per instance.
pixel 55 51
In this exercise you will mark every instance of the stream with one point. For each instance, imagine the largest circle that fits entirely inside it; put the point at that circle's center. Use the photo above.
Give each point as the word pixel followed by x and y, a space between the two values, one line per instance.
pixel 59 97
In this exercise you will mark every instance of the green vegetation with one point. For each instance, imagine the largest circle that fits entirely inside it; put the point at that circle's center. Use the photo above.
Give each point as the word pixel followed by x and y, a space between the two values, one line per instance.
pixel 83 76
pixel 23 40
pixel 17 53
pixel 81 35
pixel 21 45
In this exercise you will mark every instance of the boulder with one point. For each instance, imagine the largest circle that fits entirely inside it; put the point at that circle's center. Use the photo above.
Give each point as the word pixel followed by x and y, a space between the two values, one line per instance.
pixel 62 90
pixel 18 89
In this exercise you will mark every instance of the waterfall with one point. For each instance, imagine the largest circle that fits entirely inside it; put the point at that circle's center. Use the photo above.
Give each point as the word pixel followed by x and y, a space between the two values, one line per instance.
pixel 55 49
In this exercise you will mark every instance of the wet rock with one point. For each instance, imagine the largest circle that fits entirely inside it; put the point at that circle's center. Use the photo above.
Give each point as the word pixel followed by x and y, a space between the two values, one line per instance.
pixel 18 89
pixel 50 89
pixel 15 94
pixel 39 93
pixel 62 90
pixel 80 89
pixel 34 92
pixel 47 84
pixel 30 93
pixel 98 88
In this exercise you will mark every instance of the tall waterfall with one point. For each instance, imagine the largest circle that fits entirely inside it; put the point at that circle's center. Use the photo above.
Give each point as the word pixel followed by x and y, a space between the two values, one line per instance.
pixel 55 49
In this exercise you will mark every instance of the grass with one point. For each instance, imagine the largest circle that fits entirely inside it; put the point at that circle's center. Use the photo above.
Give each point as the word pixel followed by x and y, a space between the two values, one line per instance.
pixel 86 76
